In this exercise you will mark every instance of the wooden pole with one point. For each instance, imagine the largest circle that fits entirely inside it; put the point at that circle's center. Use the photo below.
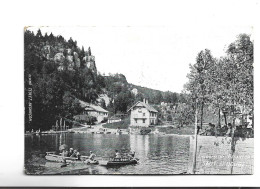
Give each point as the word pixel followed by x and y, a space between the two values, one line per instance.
pixel 232 144
pixel 201 116
pixel 195 140
pixel 60 123
pixel 225 116
pixel 219 118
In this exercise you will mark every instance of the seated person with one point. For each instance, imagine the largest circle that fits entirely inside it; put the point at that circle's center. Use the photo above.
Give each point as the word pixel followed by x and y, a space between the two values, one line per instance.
pixel 117 154
pixel 132 154
pixel 78 155
pixel 64 153
pixel 92 156
pixel 74 154
pixel 70 152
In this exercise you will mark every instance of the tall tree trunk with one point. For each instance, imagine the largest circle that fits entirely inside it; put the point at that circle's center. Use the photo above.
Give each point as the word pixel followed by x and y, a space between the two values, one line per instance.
pixel 219 121
pixel 219 124
pixel 201 116
pixel 232 143
pixel 225 116
pixel 195 140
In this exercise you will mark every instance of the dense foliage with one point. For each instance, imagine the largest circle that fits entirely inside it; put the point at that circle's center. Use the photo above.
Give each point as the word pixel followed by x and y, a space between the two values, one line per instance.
pixel 224 84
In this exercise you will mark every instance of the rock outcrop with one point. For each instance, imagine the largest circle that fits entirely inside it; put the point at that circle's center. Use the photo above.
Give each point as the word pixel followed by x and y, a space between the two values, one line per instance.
pixel 71 57
pixel 59 58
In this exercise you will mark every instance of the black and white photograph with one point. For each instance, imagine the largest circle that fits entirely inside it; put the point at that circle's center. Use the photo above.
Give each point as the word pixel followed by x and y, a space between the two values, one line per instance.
pixel 138 100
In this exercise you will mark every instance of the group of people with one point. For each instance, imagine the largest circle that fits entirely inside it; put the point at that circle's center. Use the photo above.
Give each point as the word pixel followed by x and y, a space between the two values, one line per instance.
pixel 75 154
pixel 71 153
pixel 226 130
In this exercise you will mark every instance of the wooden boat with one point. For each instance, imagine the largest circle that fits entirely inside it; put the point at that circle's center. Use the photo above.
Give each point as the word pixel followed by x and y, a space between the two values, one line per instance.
pixel 51 156
pixel 118 162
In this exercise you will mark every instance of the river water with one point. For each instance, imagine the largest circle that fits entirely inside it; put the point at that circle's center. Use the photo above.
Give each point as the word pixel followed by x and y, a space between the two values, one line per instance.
pixel 158 154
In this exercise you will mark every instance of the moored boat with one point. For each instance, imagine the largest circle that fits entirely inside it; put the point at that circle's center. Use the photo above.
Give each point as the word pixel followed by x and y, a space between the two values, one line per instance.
pixel 118 162
pixel 51 156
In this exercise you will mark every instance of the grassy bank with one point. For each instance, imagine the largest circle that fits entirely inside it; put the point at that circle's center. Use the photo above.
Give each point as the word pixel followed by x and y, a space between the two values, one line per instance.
pixel 124 124
pixel 188 130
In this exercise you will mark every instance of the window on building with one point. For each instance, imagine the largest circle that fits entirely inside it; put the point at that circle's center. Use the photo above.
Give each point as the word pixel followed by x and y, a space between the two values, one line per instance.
pixel 135 120
pixel 143 120
pixel 143 114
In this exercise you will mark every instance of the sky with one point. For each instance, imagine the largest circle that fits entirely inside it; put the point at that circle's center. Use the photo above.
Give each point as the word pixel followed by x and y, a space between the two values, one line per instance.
pixel 157 57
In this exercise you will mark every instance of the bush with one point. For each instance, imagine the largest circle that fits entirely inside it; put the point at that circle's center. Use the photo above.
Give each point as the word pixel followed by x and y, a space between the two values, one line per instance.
pixel 104 120
pixel 144 131
pixel 169 118
pixel 86 119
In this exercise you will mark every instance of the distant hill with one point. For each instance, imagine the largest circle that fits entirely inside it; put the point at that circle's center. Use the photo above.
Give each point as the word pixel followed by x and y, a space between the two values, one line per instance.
pixel 115 83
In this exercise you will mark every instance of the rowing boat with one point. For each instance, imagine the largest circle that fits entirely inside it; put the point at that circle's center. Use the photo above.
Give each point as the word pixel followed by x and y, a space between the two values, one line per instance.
pixel 118 162
pixel 51 156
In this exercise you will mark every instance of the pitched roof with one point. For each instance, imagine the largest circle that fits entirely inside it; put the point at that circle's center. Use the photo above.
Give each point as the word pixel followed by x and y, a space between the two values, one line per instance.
pixel 91 107
pixel 147 106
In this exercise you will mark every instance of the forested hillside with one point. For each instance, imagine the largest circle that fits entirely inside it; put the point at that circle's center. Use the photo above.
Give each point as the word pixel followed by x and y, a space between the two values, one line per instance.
pixel 57 73
pixel 123 94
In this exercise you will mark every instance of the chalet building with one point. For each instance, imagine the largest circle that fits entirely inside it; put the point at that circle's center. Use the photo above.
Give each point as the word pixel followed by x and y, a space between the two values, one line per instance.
pixel 143 114
pixel 93 110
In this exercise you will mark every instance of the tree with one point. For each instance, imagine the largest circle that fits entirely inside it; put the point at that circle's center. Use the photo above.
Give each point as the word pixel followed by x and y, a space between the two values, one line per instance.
pixel 70 106
pixel 184 114
pixel 200 80
pixel 158 98
pixel 123 100
pixel 103 103
pixel 39 34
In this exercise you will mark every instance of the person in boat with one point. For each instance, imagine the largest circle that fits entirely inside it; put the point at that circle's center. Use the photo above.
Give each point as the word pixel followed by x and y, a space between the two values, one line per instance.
pixel 64 154
pixel 92 156
pixel 70 152
pixel 132 154
pixel 74 154
pixel 78 155
pixel 117 154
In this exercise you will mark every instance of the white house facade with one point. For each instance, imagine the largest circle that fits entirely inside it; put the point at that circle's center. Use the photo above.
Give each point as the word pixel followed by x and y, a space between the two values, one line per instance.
pixel 142 114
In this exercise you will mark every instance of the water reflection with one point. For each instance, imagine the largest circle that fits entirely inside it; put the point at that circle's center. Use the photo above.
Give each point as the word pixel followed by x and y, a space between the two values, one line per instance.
pixel 139 144
pixel 157 154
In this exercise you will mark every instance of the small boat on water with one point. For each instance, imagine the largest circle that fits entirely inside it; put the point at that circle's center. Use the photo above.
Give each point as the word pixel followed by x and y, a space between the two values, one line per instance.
pixel 51 156
pixel 118 162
